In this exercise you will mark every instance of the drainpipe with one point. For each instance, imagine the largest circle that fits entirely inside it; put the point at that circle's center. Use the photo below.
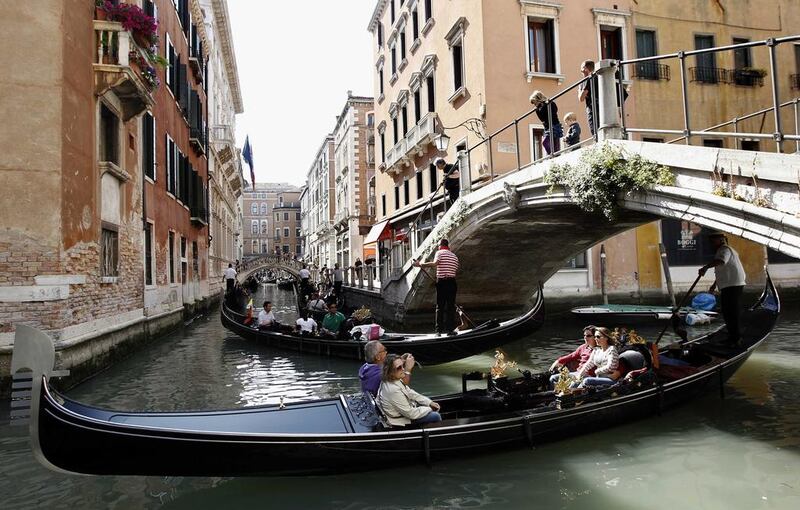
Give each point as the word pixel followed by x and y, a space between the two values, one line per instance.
pixel 603 273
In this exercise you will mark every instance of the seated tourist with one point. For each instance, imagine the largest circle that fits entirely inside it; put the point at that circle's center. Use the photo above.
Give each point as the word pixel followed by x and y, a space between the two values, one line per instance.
pixel 575 360
pixel 266 319
pixel 400 404
pixel 604 361
pixel 332 323
pixel 305 326
pixel 370 372
pixel 316 306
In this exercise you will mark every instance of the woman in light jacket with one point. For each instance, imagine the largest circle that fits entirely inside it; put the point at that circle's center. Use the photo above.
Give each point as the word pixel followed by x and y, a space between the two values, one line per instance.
pixel 604 360
pixel 402 405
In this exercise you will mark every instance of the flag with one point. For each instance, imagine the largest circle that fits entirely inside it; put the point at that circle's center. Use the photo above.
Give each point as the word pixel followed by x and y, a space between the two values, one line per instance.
pixel 247 153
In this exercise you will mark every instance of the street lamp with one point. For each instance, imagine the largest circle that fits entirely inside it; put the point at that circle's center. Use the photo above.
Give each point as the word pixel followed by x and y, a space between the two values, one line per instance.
pixel 442 142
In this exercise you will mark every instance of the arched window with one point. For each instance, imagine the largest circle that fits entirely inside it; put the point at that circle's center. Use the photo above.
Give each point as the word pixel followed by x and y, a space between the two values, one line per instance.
pixel 263 209
pixel 254 227
pixel 264 227
pixel 254 209
pixel 254 247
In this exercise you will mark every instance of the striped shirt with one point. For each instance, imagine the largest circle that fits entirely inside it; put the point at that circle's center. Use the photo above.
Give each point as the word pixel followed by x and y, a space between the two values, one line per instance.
pixel 446 264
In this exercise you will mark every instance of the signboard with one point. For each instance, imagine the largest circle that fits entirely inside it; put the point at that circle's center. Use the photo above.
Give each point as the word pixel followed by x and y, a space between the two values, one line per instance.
pixel 507 147
pixel 686 243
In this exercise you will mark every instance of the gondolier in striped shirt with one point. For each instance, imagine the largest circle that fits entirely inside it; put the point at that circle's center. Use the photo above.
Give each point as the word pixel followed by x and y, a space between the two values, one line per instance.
pixel 446 264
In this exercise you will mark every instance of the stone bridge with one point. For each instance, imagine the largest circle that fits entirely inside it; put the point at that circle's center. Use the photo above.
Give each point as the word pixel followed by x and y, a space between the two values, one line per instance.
pixel 266 262
pixel 512 233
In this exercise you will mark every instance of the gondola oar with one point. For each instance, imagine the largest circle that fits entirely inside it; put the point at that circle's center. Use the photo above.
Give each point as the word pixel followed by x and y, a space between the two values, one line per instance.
pixel 675 318
pixel 458 308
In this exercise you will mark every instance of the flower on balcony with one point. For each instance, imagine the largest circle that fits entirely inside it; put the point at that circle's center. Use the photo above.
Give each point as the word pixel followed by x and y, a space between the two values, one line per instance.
pixel 151 77
pixel 147 71
pixel 133 19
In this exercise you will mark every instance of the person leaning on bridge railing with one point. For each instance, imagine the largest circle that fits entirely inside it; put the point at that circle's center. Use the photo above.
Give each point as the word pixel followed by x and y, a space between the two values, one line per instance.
pixel 547 111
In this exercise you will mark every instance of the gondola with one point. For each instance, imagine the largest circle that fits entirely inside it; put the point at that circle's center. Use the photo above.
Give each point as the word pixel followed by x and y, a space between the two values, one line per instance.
pixel 344 434
pixel 603 314
pixel 427 348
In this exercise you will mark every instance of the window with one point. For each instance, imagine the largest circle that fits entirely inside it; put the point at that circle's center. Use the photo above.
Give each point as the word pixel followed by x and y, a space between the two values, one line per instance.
pixel 380 79
pixel 432 172
pixel 394 59
pixel 706 70
pixel 263 209
pixel 576 262
pixel 297 216
pixel 395 130
pixel 285 231
pixel 396 197
pixel 646 47
pixel 392 12
pixel 297 249
pixel 379 32
pixel 750 145
pixel 254 209
pixel 419 185
pixel 743 73
pixel 285 248
pixel 109 254
pixel 264 246
pixel 254 227
pixel 414 26
pixel 109 135
pixel 172 163
pixel 431 93
pixel 277 233
pixel 404 116
pixel 297 232
pixel 742 57
pixel 402 45
pixel 713 142
pixel 170 71
pixel 148 253
pixel 417 106
pixel 652 139
pixel 171 261
pixel 383 204
pixel 428 10
pixel 406 193
pixel 184 261
pixel 254 247
pixel 264 227
pixel 286 216
pixel 149 146
pixel 458 64
pixel 383 147
pixel 537 150
pixel 541 46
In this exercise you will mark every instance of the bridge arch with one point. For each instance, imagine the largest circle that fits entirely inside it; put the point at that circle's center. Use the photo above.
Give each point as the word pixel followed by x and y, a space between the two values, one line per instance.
pixel 512 233
pixel 264 262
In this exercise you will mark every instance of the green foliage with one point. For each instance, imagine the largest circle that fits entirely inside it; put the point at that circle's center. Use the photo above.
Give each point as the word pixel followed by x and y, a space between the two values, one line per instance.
pixel 602 173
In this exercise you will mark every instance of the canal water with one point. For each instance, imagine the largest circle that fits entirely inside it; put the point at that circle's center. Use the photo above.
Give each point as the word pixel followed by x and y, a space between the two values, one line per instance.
pixel 742 452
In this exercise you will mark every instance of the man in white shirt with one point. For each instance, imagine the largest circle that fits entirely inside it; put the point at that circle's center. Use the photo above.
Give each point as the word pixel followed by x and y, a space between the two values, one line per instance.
pixel 730 280
pixel 230 278
pixel 305 275
pixel 306 326
pixel 266 319
pixel 316 305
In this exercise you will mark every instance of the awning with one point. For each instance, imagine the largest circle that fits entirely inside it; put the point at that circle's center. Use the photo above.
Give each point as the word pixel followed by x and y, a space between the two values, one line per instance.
pixel 369 253
pixel 401 235
pixel 378 232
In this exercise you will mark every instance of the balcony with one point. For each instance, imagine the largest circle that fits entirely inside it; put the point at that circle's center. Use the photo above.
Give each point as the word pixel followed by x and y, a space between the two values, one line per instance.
pixel 341 216
pixel 651 71
pixel 120 66
pixel 198 138
pixel 415 141
pixel 708 74
pixel 323 228
pixel 747 77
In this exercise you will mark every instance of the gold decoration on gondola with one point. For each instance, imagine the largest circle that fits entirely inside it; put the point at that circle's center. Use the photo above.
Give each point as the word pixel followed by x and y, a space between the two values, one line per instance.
pixel 565 380
pixel 362 313
pixel 501 365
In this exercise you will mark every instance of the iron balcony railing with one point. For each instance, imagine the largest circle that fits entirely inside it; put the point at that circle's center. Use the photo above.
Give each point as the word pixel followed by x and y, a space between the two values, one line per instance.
pixel 747 77
pixel 708 74
pixel 651 71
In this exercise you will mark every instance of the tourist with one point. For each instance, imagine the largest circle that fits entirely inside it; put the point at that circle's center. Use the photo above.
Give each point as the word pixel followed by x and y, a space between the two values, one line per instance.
pixel 604 361
pixel 230 279
pixel 359 271
pixel 573 130
pixel 305 325
pixel 446 264
pixel 730 279
pixel 332 323
pixel 317 306
pixel 338 279
pixel 575 360
pixel 305 274
pixel 400 404
pixel 370 372
pixel 452 178
pixel 547 111
pixel 266 319
pixel 585 94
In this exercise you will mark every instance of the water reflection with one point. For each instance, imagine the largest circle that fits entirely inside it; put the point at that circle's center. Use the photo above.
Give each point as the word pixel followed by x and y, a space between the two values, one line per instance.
pixel 742 452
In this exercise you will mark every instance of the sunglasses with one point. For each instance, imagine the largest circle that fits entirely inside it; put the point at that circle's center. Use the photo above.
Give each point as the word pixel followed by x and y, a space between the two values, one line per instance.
pixel 400 367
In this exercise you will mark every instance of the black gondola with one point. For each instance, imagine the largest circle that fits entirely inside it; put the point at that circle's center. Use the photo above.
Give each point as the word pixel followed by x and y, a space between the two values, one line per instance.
pixel 427 348
pixel 343 434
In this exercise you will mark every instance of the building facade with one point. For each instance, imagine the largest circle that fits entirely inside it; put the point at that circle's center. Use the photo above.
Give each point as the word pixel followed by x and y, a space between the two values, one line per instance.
pixel 225 165
pixel 263 219
pixel 354 168
pixel 175 164
pixel 320 237
pixel 468 68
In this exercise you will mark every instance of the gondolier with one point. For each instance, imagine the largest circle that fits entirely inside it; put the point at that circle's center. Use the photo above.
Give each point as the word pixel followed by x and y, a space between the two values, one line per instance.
pixel 446 264
pixel 730 279
pixel 230 279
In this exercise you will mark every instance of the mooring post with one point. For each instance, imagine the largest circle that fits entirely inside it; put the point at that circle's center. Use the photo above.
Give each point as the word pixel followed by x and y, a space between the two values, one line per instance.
pixel 667 275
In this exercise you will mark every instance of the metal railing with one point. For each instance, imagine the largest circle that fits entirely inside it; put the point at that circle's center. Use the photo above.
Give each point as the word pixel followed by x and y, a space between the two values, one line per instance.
pixel 651 71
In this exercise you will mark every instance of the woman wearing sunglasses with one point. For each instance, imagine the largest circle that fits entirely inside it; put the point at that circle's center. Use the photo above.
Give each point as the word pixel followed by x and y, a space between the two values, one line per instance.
pixel 604 361
pixel 402 405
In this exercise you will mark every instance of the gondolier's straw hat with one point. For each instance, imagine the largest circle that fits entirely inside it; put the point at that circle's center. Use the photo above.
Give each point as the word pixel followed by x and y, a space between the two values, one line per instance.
pixel 716 233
